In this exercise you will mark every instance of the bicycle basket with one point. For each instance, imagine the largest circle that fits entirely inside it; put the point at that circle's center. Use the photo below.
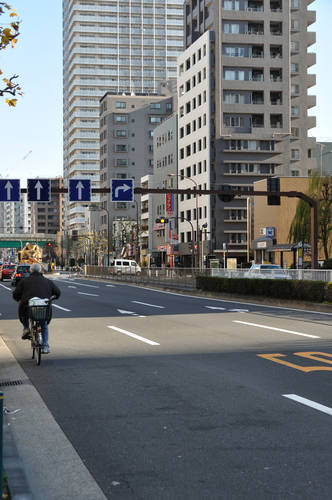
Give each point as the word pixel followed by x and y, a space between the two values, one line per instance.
pixel 39 310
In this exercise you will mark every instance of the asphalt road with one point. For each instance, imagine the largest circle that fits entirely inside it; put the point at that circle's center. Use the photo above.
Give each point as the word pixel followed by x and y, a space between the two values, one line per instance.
pixel 175 397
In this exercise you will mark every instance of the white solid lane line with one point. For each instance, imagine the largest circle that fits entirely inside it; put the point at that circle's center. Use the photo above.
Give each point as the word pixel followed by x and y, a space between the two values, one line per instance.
pixel 6 287
pixel 59 307
pixel 145 304
pixel 71 286
pixel 112 286
pixel 90 294
pixel 308 402
pixel 133 335
pixel 278 329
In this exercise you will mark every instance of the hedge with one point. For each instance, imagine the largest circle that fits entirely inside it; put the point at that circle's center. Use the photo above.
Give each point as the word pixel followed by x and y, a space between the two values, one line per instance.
pixel 313 291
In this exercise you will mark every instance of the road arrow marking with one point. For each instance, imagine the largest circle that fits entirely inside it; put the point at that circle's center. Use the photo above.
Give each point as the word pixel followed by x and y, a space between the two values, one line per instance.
pixel 133 335
pixel 79 188
pixel 124 188
pixel 38 186
pixel 219 308
pixel 8 187
pixel 122 311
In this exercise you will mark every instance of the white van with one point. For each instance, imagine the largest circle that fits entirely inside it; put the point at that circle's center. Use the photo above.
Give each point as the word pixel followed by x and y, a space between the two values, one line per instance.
pixel 125 266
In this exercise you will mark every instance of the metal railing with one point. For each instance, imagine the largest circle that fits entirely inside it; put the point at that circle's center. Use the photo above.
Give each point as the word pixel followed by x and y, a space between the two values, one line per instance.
pixel 185 278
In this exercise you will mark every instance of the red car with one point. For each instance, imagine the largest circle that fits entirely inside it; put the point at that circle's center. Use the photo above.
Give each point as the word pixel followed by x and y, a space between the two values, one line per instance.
pixel 6 271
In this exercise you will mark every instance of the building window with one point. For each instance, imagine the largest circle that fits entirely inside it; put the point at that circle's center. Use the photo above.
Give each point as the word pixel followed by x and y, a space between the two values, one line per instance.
pixel 120 105
pixel 295 154
pixel 155 119
pixel 155 105
pixel 120 118
pixel 121 162
pixel 121 148
pixel 121 133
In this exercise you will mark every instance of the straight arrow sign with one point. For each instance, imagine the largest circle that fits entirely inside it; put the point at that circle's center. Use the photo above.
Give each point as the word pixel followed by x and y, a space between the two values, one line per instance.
pixel 38 187
pixel 79 188
pixel 8 188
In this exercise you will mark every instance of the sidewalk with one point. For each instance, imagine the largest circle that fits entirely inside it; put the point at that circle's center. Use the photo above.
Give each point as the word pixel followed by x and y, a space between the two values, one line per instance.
pixel 40 462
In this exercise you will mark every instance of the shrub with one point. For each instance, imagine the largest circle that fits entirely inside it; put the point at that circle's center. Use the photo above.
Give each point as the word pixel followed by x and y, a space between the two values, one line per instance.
pixel 328 292
pixel 313 291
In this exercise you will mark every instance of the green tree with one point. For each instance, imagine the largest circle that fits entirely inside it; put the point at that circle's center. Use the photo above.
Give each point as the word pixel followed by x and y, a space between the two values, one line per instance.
pixel 9 34
pixel 320 189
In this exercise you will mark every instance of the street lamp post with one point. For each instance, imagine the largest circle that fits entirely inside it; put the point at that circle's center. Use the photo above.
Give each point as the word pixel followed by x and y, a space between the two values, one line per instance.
pixel 137 246
pixel 197 222
pixel 95 208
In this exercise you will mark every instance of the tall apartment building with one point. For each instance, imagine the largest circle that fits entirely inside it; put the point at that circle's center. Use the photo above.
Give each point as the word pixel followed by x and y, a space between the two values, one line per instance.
pixel 47 217
pixel 126 143
pixel 250 88
pixel 128 46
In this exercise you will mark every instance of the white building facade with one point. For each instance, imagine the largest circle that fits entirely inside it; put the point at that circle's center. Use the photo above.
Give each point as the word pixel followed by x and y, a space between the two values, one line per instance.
pixel 111 46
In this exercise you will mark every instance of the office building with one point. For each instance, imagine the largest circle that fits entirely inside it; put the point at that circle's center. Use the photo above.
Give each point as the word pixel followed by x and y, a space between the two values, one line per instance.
pixel 126 144
pixel 110 47
pixel 244 77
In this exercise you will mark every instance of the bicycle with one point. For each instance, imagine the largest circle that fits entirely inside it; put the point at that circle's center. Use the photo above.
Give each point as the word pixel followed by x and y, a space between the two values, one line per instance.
pixel 39 312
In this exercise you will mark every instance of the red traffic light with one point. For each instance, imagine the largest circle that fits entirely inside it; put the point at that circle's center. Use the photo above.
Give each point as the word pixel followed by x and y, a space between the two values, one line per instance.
pixel 49 244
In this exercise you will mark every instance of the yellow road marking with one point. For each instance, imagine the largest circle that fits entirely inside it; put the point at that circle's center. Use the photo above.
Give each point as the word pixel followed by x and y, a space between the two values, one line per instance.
pixel 314 355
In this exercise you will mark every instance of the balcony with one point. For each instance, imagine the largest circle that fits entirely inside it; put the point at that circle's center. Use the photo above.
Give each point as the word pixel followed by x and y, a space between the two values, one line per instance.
pixel 276 75
pixel 310 59
pixel 311 120
pixel 276 121
pixel 255 29
pixel 311 17
pixel 276 29
pixel 311 80
pixel 276 52
pixel 276 98
pixel 257 121
pixel 311 38
pixel 276 6
pixel 311 101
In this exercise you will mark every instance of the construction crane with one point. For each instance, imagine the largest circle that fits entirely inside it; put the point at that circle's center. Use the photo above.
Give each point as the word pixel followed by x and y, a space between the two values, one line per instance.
pixel 26 156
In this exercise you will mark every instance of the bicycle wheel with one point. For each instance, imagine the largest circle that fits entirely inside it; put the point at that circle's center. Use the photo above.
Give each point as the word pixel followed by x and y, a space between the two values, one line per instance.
pixel 38 355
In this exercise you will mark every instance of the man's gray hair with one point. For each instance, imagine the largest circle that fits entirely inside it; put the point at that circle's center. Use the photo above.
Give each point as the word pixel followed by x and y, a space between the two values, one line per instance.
pixel 36 268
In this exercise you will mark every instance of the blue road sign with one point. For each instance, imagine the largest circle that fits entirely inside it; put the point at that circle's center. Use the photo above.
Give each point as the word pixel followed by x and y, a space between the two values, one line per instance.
pixel 39 190
pixel 79 190
pixel 122 189
pixel 9 190
pixel 270 232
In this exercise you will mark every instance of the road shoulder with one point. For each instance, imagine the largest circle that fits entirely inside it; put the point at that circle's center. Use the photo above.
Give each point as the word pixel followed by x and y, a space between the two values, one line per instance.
pixel 51 465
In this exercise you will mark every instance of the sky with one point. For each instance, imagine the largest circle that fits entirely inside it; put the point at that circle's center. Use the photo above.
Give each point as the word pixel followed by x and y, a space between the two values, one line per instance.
pixel 31 133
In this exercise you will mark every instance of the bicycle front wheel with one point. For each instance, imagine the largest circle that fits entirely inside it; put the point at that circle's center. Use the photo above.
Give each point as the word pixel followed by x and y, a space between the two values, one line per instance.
pixel 38 355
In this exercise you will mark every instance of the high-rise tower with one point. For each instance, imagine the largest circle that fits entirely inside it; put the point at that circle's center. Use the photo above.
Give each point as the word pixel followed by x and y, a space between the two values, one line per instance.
pixel 243 88
pixel 110 46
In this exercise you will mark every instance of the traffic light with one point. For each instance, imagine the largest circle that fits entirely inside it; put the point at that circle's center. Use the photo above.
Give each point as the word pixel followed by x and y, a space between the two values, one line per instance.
pixel 273 185
pixel 49 244
pixel 226 197
pixel 162 220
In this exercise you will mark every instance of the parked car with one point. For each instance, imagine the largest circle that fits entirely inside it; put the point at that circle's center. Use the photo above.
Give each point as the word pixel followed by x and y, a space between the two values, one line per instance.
pixel 21 271
pixel 125 266
pixel 6 271
pixel 267 271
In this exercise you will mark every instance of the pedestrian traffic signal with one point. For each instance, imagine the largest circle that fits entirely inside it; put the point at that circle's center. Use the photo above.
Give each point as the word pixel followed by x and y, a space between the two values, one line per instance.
pixel 226 197
pixel 162 220
pixel 273 185
pixel 49 244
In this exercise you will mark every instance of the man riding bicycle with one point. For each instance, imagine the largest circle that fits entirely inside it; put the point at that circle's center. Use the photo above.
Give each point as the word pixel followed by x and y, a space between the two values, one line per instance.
pixel 36 285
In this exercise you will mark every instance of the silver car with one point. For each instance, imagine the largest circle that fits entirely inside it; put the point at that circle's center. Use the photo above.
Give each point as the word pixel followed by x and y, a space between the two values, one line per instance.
pixel 267 271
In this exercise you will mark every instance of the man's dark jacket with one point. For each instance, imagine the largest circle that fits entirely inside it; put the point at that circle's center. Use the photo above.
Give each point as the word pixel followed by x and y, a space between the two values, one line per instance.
pixel 33 286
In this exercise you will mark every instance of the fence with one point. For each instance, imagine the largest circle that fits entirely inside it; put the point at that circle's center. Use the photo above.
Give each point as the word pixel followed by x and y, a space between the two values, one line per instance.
pixel 178 277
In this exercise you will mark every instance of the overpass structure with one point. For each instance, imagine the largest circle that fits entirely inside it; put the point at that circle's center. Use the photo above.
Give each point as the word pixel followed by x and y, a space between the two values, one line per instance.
pixel 18 240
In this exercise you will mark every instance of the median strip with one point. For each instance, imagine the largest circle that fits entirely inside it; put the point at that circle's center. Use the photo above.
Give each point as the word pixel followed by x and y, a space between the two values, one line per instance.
pixel 277 329
pixel 308 402
pixel 133 335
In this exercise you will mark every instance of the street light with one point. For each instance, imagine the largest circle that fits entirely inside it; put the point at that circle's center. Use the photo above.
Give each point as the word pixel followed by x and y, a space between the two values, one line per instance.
pixel 137 251
pixel 96 208
pixel 197 223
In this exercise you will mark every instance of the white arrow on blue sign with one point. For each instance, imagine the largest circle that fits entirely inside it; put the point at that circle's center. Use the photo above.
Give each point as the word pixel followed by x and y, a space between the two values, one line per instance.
pixel 122 189
pixel 39 189
pixel 79 190
pixel 9 190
